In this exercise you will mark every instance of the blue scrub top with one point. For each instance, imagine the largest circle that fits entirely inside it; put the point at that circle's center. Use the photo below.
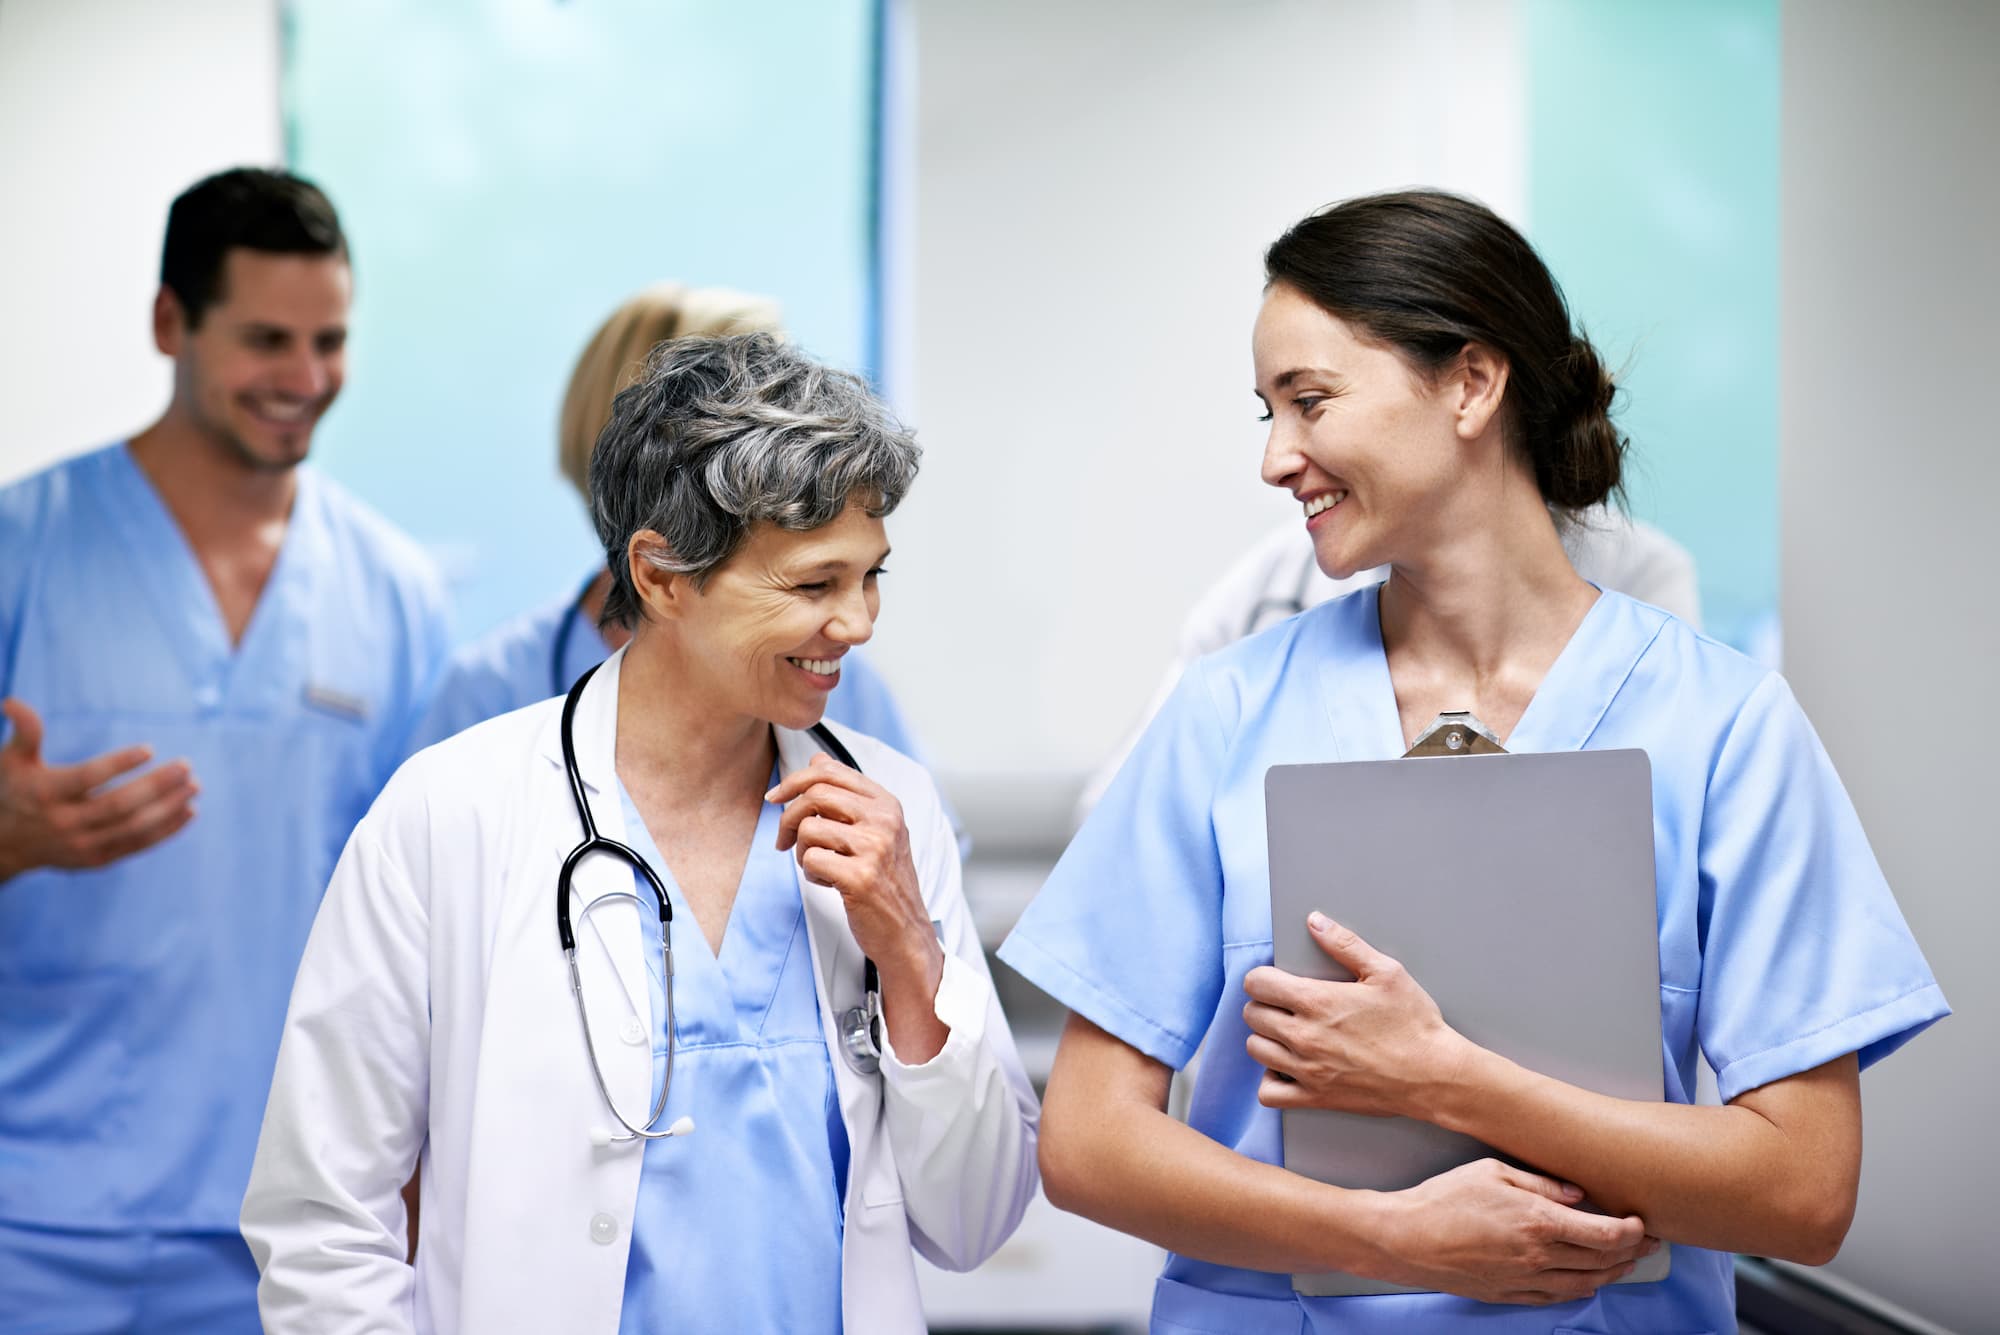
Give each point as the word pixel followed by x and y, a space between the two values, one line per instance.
pixel 515 665
pixel 1781 947
pixel 141 1002
pixel 738 1226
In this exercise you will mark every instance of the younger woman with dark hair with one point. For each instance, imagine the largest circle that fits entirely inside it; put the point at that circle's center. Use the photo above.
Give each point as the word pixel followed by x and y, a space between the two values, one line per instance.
pixel 1433 410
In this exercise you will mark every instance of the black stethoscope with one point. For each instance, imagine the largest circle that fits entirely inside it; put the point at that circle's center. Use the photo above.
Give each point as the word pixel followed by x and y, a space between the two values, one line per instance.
pixel 859 1025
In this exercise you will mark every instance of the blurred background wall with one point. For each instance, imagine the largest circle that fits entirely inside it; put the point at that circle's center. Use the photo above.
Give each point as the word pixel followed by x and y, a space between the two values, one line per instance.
pixel 1891 459
pixel 1042 222
pixel 108 109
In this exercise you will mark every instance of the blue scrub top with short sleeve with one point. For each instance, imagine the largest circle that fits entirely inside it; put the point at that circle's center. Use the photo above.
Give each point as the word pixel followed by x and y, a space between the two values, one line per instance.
pixel 141 1002
pixel 1781 947
pixel 738 1226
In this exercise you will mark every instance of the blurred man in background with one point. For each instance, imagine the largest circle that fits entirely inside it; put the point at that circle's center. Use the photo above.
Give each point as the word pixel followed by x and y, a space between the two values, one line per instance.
pixel 195 593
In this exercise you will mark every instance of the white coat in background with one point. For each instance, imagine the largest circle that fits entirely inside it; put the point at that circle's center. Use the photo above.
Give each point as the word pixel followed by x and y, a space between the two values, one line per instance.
pixel 1280 577
pixel 433 1013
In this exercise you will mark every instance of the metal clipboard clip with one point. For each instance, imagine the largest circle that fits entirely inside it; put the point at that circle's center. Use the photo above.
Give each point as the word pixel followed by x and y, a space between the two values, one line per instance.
pixel 1456 732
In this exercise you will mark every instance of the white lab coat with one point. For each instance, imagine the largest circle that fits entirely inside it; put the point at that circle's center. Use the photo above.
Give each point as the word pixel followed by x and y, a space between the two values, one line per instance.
pixel 433 1012
pixel 1280 577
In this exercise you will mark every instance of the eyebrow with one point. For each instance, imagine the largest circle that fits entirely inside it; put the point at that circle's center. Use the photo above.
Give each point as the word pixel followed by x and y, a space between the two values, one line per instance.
pixel 834 564
pixel 1287 377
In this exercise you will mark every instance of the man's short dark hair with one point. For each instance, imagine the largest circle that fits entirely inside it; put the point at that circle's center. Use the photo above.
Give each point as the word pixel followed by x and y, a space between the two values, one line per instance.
pixel 258 209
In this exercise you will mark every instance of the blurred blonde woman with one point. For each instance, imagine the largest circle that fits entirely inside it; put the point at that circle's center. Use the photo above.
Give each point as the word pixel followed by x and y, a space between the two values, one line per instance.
pixel 543 651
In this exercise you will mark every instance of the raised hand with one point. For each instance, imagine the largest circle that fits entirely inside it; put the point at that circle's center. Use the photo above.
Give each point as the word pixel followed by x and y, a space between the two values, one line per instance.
pixel 73 816
pixel 849 833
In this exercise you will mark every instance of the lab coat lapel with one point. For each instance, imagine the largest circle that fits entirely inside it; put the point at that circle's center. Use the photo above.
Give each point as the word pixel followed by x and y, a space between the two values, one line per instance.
pixel 836 958
pixel 609 936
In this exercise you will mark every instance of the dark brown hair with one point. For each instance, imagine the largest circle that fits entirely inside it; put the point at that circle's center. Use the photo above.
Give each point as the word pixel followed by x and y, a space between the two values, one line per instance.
pixel 1428 272
pixel 252 207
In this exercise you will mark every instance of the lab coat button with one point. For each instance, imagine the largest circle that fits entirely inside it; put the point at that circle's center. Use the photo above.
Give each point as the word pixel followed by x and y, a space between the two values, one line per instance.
pixel 633 1030
pixel 603 1229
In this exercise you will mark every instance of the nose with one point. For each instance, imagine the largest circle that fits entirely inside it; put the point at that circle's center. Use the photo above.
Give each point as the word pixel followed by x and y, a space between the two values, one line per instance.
pixel 1282 460
pixel 853 617
pixel 309 374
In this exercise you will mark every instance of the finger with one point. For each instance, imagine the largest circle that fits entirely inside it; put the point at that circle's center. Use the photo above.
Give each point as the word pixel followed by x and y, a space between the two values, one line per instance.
pixel 1596 1232
pixel 823 866
pixel 819 832
pixel 822 768
pixel 822 799
pixel 115 805
pixel 1567 1286
pixel 1568 1256
pixel 1275 987
pixel 144 829
pixel 1275 1091
pixel 1270 1021
pixel 1271 1055
pixel 73 781
pixel 1565 1193
pixel 27 738
pixel 1345 947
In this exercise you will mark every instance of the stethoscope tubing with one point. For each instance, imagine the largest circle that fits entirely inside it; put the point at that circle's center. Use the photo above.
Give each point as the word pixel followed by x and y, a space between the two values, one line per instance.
pixel 859 1024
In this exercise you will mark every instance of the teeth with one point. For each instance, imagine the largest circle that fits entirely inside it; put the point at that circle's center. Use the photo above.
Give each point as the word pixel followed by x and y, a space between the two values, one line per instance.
pixel 1325 501
pixel 825 667
pixel 282 412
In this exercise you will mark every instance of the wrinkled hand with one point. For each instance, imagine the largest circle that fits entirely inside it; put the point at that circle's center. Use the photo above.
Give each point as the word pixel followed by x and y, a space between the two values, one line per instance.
pixel 1377 1045
pixel 1500 1234
pixel 66 816
pixel 849 833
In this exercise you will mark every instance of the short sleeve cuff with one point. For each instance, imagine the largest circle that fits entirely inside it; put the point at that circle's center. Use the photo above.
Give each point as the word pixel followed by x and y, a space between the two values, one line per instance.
pixel 1093 1003
pixel 1874 1034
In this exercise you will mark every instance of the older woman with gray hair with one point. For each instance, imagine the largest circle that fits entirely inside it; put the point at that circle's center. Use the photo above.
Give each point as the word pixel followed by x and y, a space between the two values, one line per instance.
pixel 667 986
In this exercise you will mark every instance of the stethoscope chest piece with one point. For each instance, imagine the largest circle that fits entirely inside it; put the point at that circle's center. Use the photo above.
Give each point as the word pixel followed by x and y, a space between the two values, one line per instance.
pixel 860 1025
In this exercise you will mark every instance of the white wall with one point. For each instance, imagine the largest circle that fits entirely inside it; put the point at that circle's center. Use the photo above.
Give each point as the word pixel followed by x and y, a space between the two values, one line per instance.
pixel 1095 186
pixel 108 109
pixel 1890 463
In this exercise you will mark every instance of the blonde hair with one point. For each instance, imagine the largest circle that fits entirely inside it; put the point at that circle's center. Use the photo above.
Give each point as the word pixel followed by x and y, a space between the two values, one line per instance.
pixel 616 356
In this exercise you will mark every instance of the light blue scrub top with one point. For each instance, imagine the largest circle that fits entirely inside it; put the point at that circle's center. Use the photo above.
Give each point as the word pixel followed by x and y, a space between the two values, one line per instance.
pixel 738 1225
pixel 513 665
pixel 141 1003
pixel 1780 945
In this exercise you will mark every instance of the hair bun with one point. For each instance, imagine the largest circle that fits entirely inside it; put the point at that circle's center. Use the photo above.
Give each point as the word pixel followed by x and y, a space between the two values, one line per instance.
pixel 1588 462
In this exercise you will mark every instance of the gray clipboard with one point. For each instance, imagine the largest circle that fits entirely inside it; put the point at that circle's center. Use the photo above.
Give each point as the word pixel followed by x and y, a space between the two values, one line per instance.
pixel 1518 889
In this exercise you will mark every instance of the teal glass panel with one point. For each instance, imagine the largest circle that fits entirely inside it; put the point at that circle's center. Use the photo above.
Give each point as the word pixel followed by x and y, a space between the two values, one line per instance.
pixel 510 170
pixel 1653 189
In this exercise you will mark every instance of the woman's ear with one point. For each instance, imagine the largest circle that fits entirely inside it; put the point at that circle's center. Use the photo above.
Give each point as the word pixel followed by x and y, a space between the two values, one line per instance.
pixel 663 593
pixel 1477 386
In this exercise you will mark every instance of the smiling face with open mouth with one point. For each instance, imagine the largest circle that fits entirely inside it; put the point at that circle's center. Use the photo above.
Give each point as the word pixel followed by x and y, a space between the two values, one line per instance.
pixel 768 631
pixel 268 356
pixel 1368 449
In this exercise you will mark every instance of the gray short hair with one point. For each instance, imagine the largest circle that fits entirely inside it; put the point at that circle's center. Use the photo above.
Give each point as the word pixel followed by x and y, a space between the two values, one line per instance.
pixel 720 433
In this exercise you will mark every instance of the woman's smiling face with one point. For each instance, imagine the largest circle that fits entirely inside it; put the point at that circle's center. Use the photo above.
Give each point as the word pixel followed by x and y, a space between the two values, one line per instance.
pixel 1367 448
pixel 765 636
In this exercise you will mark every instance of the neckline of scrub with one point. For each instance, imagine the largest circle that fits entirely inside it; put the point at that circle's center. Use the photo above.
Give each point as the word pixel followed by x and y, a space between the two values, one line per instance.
pixel 1360 696
pixel 168 564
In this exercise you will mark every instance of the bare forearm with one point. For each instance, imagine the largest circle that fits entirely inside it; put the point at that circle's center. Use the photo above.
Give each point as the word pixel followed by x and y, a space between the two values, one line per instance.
pixel 1138 1170
pixel 1730 1178
pixel 909 1001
